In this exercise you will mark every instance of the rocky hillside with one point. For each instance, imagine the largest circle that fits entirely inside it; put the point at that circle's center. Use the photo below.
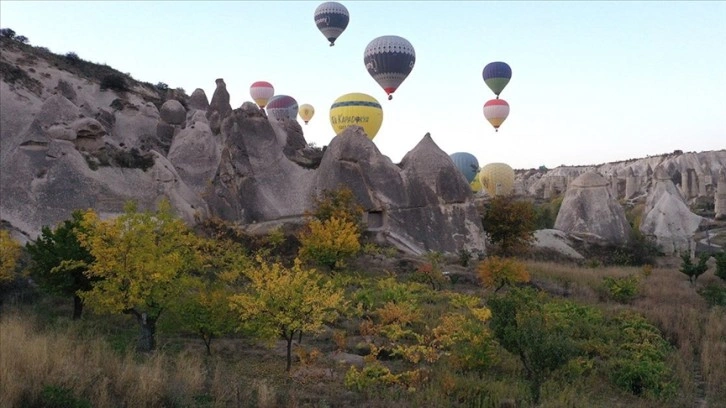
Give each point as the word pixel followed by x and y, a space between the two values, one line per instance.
pixel 77 135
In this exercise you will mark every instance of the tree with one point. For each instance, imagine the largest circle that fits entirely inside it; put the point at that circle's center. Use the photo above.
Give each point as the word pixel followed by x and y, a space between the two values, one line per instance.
pixel 59 263
pixel 282 302
pixel 7 33
pixel 523 326
pixel 329 242
pixel 694 270
pixel 143 260
pixel 496 272
pixel 9 255
pixel 721 264
pixel 22 39
pixel 204 309
pixel 509 223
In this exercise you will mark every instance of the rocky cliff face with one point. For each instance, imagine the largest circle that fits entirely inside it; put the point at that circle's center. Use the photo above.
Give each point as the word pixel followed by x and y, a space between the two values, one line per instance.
pixel 75 141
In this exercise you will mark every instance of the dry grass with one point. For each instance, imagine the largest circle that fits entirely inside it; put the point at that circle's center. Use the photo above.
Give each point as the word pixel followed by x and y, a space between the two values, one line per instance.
pixel 32 360
pixel 713 357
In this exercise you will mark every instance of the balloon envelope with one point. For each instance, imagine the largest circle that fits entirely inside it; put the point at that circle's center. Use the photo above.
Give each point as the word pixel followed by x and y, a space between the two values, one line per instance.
pixel 497 179
pixel 261 92
pixel 356 109
pixel 389 59
pixel 496 111
pixel 331 18
pixel 497 75
pixel 467 164
pixel 282 107
pixel 306 112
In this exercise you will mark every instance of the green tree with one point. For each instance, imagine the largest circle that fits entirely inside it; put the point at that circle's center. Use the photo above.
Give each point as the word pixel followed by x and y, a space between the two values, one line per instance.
pixel 59 263
pixel 282 302
pixel 721 264
pixel 143 260
pixel 204 309
pixel 9 255
pixel 693 271
pixel 509 223
pixel 523 326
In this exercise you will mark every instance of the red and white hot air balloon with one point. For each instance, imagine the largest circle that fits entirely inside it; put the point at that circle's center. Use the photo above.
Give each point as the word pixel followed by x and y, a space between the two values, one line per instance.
pixel 261 93
pixel 496 111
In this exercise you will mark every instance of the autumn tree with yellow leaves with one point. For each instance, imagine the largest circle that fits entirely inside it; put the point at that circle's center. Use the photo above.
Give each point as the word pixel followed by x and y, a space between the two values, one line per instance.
pixel 144 261
pixel 495 272
pixel 333 233
pixel 280 301
pixel 9 255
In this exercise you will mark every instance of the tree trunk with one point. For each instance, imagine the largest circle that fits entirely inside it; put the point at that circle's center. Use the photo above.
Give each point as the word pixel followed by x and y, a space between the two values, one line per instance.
pixel 289 351
pixel 77 307
pixel 147 339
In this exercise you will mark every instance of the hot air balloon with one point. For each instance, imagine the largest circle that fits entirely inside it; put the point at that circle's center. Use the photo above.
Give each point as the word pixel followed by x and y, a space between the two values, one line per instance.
pixel 497 75
pixel 467 164
pixel 306 112
pixel 261 92
pixel 496 111
pixel 389 59
pixel 497 179
pixel 356 109
pixel 332 19
pixel 282 107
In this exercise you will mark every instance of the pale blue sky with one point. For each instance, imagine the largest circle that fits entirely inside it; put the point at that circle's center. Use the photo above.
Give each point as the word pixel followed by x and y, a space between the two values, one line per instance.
pixel 592 81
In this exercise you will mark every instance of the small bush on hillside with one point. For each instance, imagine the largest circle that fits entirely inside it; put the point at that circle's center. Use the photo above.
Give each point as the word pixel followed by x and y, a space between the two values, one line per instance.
pixel 72 57
pixel 622 290
pixel 715 295
pixel 693 271
pixel 115 82
pixel 496 272
pixel 61 397
pixel 721 265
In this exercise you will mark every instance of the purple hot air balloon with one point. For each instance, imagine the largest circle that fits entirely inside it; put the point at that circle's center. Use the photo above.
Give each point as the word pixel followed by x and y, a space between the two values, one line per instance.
pixel 282 107
pixel 497 75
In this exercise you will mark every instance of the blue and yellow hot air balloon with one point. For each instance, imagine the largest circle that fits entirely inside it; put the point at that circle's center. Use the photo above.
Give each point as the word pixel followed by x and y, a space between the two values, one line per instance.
pixel 467 164
pixel 282 107
pixel 389 59
pixel 356 109
pixel 497 75
pixel 331 18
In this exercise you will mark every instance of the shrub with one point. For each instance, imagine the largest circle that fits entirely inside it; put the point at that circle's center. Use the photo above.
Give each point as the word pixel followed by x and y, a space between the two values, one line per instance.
pixel 715 295
pixel 623 289
pixel 721 265
pixel 115 82
pixel 72 57
pixel 496 272
pixel 694 270
pixel 9 256
pixel 329 242
pixel 61 397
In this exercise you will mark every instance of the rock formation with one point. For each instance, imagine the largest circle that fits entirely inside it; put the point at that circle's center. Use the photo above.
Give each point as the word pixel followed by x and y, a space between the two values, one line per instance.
pixel 590 211
pixel 720 199
pixel 667 220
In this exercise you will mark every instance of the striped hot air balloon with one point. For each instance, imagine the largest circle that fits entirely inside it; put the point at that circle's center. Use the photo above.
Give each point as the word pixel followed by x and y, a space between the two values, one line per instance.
pixel 389 59
pixel 496 111
pixel 467 164
pixel 332 19
pixel 306 112
pixel 282 107
pixel 497 75
pixel 356 109
pixel 261 92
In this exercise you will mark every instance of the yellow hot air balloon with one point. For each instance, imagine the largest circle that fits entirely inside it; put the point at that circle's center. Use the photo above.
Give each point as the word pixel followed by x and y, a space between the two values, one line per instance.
pixel 475 184
pixel 356 109
pixel 497 179
pixel 306 112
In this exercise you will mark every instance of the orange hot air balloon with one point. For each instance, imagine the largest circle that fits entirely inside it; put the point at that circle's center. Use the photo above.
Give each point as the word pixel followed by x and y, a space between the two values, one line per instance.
pixel 496 112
